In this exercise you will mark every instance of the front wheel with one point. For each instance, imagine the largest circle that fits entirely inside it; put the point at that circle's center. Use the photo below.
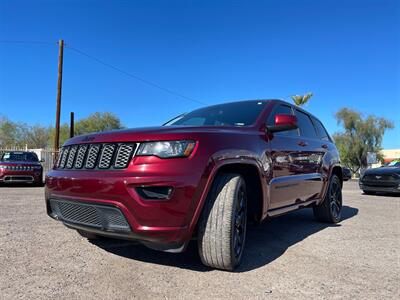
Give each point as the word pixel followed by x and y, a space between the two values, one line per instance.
pixel 222 227
pixel 329 210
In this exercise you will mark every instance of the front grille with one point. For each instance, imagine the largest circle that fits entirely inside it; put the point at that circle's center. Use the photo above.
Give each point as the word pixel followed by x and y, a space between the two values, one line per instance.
pixel 98 216
pixel 384 180
pixel 378 177
pixel 96 156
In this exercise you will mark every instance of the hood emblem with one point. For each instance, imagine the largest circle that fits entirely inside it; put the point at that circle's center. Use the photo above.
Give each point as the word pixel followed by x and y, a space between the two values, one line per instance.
pixel 88 139
pixel 378 177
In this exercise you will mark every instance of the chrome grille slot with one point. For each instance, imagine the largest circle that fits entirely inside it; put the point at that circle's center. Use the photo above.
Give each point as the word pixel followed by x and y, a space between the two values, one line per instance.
pixel 124 154
pixel 92 156
pixel 60 155
pixel 106 156
pixel 71 157
pixel 64 157
pixel 80 156
pixel 96 156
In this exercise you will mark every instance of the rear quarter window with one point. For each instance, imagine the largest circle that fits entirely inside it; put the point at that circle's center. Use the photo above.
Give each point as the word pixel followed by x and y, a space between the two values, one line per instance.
pixel 321 131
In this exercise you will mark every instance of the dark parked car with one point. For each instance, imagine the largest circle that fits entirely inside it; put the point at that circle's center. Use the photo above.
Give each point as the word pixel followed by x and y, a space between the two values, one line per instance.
pixel 202 175
pixel 20 167
pixel 383 179
pixel 346 173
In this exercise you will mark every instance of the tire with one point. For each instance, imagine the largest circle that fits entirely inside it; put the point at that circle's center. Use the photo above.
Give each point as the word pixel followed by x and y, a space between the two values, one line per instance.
pixel 89 235
pixel 329 210
pixel 222 226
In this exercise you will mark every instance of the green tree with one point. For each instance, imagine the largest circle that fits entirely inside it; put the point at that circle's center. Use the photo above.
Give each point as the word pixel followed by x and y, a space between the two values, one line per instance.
pixel 98 122
pixel 301 100
pixel 12 134
pixel 64 135
pixel 37 136
pixel 360 136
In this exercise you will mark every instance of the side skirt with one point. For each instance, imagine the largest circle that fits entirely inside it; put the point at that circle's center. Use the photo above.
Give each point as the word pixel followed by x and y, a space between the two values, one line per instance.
pixel 285 209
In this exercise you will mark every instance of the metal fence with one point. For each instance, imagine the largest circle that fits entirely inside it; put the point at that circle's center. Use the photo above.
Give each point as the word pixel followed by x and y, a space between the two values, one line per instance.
pixel 47 157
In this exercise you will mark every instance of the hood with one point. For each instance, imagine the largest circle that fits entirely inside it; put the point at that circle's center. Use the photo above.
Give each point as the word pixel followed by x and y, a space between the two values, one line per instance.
pixel 153 133
pixel 382 171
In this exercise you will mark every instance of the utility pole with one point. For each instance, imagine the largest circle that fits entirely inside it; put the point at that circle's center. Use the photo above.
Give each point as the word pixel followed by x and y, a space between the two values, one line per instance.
pixel 71 125
pixel 59 85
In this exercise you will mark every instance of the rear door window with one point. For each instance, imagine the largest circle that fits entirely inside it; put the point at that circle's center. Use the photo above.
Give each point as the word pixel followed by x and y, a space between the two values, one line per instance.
pixel 305 125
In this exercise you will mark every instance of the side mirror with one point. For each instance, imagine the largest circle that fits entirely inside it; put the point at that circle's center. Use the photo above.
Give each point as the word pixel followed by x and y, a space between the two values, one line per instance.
pixel 42 160
pixel 283 123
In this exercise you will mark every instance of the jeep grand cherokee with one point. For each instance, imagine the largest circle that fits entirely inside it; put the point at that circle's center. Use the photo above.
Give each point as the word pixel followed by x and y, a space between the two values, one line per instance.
pixel 201 175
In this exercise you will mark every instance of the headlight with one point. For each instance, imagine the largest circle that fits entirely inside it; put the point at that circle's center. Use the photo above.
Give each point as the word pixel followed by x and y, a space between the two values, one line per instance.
pixel 167 149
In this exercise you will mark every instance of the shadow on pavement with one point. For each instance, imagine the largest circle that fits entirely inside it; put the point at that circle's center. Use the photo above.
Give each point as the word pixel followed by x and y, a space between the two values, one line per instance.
pixel 264 243
pixel 20 185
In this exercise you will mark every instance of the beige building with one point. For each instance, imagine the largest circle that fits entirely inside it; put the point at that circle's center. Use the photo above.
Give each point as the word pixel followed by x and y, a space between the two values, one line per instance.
pixel 388 155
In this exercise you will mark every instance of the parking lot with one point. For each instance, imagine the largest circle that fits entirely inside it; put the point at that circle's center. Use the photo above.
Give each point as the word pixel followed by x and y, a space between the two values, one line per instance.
pixel 291 256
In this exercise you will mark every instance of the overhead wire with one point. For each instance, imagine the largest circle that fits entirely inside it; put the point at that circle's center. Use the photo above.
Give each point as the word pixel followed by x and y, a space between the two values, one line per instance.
pixel 115 68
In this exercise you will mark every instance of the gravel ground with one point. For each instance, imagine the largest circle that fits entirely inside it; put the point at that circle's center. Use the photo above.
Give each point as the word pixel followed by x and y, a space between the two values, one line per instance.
pixel 291 256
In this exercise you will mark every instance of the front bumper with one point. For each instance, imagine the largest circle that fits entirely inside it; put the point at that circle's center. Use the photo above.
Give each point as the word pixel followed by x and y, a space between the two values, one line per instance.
pixel 9 176
pixel 160 224
pixel 383 189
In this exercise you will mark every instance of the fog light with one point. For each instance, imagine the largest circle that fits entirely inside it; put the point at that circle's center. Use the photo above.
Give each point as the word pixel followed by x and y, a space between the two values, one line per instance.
pixel 155 192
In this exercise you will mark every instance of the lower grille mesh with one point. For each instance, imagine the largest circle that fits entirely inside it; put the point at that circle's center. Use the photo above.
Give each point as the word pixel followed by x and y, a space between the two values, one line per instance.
pixel 93 215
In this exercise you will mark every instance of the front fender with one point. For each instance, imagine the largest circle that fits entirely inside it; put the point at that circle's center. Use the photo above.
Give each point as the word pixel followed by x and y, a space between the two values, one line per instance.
pixel 223 159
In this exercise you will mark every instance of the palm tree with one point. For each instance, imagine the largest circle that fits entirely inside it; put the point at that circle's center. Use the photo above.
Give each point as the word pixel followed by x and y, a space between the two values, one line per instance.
pixel 300 100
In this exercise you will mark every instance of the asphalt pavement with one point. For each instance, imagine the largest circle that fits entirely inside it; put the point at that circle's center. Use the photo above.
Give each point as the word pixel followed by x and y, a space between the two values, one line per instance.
pixel 289 257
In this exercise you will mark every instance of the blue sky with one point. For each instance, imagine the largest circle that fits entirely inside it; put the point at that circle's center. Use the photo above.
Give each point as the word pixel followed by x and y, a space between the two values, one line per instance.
pixel 346 52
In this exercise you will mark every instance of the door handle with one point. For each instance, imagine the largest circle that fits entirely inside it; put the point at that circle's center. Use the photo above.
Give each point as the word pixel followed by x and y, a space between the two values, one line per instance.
pixel 302 144
pixel 325 146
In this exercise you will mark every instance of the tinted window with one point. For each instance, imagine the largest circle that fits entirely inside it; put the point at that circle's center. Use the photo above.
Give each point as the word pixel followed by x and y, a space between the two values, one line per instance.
pixel 282 110
pixel 19 156
pixel 305 125
pixel 323 135
pixel 230 114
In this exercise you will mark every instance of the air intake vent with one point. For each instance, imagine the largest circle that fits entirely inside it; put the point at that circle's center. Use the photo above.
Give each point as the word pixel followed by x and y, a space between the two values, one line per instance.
pixel 96 156
pixel 97 216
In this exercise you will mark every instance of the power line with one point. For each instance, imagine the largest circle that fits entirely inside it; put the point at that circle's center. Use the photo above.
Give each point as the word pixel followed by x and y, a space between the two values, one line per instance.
pixel 150 83
pixel 27 42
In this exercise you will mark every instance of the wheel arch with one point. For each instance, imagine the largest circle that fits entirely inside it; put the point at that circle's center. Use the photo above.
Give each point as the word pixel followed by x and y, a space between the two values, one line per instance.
pixel 337 170
pixel 253 179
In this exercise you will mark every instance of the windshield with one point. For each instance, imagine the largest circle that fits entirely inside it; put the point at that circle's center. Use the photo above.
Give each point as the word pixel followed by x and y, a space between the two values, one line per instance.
pixel 230 114
pixel 19 156
pixel 394 163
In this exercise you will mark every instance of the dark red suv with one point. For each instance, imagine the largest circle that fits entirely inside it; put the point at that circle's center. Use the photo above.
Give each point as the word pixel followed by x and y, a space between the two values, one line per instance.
pixel 201 175
pixel 20 167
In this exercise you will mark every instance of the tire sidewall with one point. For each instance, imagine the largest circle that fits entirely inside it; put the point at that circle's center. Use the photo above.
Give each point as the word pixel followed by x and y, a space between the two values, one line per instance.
pixel 240 185
pixel 339 216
